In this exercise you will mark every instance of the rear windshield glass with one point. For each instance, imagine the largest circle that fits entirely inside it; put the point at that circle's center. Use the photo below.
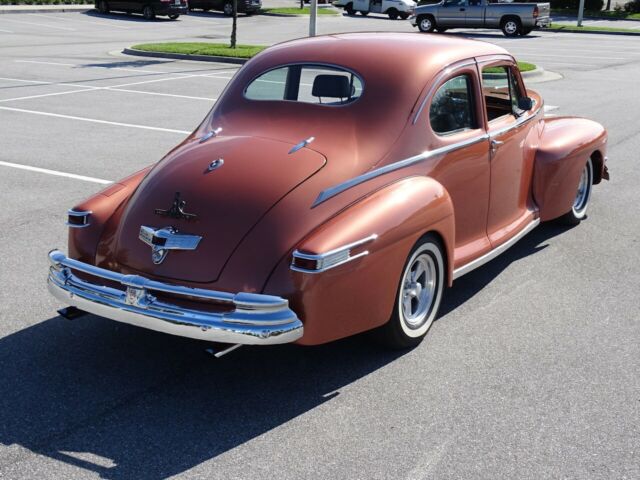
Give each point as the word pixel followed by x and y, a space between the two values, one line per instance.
pixel 306 83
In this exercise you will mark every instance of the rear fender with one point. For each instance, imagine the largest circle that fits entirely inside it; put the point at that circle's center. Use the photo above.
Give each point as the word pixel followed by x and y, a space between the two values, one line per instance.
pixel 359 295
pixel 566 144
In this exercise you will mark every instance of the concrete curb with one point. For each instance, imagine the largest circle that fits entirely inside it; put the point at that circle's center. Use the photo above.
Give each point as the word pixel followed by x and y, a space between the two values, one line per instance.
pixel 588 32
pixel 182 56
pixel 46 8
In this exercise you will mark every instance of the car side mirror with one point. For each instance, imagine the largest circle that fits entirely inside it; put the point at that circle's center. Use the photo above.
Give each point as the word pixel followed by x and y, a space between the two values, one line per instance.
pixel 525 103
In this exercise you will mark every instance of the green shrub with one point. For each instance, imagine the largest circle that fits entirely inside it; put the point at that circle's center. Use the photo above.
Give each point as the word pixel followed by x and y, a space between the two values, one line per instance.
pixel 632 7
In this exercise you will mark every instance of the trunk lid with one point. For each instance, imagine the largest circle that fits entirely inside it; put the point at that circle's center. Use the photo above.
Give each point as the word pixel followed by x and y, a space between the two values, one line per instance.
pixel 227 201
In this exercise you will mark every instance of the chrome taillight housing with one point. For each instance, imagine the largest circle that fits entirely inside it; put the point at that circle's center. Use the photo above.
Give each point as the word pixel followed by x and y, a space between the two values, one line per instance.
pixel 78 218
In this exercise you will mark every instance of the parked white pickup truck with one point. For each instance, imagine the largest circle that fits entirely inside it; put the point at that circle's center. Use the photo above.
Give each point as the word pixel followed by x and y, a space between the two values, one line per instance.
pixel 512 18
pixel 394 8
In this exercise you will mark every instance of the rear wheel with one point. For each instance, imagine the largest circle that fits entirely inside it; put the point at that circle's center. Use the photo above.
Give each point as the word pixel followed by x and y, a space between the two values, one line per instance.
pixel 426 23
pixel 418 296
pixel 393 14
pixel 227 9
pixel 511 26
pixel 526 31
pixel 148 13
pixel 578 210
pixel 349 9
pixel 173 16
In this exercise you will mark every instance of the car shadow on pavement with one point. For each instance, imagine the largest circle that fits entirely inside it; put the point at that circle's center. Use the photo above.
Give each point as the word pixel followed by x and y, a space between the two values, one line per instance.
pixel 473 282
pixel 125 402
pixel 127 17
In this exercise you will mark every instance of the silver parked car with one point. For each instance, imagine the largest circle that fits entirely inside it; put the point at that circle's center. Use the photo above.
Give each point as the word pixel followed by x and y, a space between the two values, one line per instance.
pixel 512 18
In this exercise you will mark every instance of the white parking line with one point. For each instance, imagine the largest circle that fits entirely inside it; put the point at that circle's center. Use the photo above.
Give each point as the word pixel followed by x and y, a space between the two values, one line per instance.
pixel 95 120
pixel 99 24
pixel 46 63
pixel 55 172
pixel 5 31
pixel 43 95
pixel 40 25
pixel 39 82
pixel 175 95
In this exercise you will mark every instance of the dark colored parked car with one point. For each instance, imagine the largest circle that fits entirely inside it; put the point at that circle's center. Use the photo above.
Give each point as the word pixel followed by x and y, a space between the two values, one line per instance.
pixel 244 6
pixel 149 8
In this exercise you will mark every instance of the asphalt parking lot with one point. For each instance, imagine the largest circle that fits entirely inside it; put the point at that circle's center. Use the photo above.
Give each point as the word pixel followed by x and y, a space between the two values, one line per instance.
pixel 531 370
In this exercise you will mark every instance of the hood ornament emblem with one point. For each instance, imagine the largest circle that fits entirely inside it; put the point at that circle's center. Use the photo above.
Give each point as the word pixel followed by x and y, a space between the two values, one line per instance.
pixel 162 240
pixel 176 210
pixel 214 165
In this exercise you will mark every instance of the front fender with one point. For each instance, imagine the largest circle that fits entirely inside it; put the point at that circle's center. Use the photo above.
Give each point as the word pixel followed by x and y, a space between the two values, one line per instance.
pixel 566 144
pixel 359 295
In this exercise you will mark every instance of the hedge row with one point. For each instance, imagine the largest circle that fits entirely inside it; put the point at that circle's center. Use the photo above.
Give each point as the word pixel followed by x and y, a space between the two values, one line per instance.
pixel 589 5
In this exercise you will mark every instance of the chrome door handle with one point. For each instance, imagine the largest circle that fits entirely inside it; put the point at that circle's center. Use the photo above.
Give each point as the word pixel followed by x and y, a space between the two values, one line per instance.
pixel 495 144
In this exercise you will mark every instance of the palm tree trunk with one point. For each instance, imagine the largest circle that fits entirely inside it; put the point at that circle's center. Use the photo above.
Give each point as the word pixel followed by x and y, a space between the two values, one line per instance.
pixel 234 26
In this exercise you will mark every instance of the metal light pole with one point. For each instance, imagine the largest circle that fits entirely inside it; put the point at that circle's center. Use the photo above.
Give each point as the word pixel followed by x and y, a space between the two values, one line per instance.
pixel 580 12
pixel 313 6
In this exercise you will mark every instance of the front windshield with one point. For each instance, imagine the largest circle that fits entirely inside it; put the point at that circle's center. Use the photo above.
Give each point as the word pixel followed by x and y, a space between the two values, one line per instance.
pixel 319 84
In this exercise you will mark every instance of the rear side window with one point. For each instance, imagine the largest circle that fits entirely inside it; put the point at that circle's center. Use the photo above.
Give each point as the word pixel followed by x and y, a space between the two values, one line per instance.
pixel 452 106
pixel 306 83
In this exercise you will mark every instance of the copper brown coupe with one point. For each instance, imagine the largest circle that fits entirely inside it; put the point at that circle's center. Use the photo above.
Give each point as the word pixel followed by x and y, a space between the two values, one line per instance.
pixel 339 184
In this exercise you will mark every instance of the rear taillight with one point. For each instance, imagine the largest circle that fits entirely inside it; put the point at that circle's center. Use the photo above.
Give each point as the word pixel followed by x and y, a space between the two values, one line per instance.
pixel 536 12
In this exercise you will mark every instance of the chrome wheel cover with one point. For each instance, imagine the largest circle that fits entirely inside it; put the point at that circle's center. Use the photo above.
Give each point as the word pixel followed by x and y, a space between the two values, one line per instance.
pixel 420 290
pixel 584 191
pixel 228 9
pixel 511 27
pixel 425 24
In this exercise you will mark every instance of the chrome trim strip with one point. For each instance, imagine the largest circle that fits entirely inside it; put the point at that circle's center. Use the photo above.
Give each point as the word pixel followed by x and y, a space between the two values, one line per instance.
pixel 341 187
pixel 79 213
pixel 519 122
pixel 436 83
pixel 332 258
pixel 301 145
pixel 210 134
pixel 478 262
pixel 253 319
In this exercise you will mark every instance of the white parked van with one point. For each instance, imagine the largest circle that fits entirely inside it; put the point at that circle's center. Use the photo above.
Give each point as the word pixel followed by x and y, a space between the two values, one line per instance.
pixel 394 8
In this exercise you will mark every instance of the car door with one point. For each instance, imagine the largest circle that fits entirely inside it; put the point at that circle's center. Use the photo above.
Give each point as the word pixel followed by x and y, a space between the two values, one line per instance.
pixel 361 5
pixel 510 204
pixel 456 124
pixel 452 13
pixel 474 14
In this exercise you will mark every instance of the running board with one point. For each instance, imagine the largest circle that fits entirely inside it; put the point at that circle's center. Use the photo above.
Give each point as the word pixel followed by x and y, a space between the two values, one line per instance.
pixel 487 257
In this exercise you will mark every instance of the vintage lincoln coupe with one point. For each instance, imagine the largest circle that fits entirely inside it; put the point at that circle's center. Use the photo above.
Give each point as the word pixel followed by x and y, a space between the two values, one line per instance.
pixel 338 185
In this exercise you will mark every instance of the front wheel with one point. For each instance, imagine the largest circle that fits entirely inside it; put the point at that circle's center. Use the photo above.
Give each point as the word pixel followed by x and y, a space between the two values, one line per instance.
pixel 511 27
pixel 103 6
pixel 173 16
pixel 148 13
pixel 578 210
pixel 418 296
pixel 426 24
pixel 349 9
pixel 393 14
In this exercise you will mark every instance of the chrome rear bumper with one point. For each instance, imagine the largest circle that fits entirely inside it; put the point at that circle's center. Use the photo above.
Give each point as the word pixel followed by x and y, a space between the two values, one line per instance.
pixel 252 319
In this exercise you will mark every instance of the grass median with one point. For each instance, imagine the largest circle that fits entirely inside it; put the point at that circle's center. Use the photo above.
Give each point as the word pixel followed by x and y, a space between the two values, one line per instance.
pixel 299 11
pixel 202 48
pixel 241 51
pixel 574 28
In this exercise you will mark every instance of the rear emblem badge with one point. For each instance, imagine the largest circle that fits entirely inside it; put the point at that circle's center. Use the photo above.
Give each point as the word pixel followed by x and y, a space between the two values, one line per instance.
pixel 161 240
pixel 176 210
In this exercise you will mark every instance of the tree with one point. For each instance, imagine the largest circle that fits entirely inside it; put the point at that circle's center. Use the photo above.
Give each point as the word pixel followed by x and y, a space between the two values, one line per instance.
pixel 234 25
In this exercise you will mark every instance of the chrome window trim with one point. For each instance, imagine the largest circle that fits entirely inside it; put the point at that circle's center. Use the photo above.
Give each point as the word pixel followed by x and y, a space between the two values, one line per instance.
pixel 518 123
pixel 341 254
pixel 79 213
pixel 449 69
pixel 478 262
pixel 341 187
